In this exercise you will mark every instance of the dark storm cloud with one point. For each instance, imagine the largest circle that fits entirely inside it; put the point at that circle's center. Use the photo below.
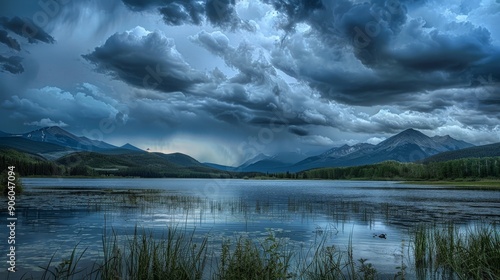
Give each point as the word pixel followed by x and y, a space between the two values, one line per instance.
pixel 145 60
pixel 296 10
pixel 220 13
pixel 371 54
pixel 141 5
pixel 178 13
pixel 9 41
pixel 26 28
pixel 251 69
pixel 298 131
pixel 370 28
pixel 11 64
pixel 446 52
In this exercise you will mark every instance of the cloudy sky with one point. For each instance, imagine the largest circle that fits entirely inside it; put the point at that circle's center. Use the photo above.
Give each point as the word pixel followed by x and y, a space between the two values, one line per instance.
pixel 222 80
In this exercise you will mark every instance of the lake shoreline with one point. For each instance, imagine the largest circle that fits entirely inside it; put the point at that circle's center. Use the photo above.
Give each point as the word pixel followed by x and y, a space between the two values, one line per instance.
pixel 470 185
pixel 481 184
pixel 376 217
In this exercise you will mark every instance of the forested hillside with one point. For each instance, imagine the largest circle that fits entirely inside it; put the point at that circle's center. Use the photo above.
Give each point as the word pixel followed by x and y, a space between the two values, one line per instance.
pixel 454 169
pixel 27 164
pixel 146 165
pixel 156 166
pixel 491 150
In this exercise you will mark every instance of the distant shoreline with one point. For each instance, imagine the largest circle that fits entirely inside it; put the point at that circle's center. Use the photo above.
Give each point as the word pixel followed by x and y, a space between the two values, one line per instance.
pixel 482 184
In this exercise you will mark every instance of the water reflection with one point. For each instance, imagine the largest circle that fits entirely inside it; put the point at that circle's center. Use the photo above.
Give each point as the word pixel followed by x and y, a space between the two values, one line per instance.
pixel 57 214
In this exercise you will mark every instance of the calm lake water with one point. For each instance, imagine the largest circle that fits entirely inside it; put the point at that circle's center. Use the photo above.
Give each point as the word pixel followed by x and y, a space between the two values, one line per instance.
pixel 54 215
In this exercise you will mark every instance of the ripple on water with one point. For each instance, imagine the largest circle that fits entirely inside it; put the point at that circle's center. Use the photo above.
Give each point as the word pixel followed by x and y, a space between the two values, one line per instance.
pixel 302 212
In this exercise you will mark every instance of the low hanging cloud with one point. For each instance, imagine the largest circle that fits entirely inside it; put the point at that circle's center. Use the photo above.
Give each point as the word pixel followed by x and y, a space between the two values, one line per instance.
pixel 26 28
pixel 11 64
pixel 22 27
pixel 317 140
pixel 391 121
pixel 297 130
pixel 46 122
pixel 40 107
pixel 9 41
pixel 146 60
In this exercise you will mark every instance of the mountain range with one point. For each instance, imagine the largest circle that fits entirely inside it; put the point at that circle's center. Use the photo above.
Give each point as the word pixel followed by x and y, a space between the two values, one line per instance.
pixel 56 144
pixel 407 146
pixel 84 156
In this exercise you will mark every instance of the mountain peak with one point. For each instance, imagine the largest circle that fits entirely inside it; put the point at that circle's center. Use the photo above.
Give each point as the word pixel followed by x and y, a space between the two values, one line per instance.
pixel 451 143
pixel 410 131
pixel 59 136
pixel 56 130
pixel 43 132
pixel 344 150
pixel 411 137
pixel 131 147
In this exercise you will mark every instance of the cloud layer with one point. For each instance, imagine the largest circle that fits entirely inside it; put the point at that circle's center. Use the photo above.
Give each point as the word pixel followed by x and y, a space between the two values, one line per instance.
pixel 247 77
pixel 145 59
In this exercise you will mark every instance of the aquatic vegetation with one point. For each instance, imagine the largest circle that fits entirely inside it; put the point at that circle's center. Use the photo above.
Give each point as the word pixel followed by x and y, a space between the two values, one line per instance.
pixel 438 251
pixel 473 253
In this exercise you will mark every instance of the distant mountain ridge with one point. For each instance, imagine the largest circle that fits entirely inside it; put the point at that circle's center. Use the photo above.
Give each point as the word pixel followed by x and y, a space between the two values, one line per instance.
pixel 407 146
pixel 131 147
pixel 84 156
pixel 490 150
pixel 59 136
pixel 451 143
pixel 53 142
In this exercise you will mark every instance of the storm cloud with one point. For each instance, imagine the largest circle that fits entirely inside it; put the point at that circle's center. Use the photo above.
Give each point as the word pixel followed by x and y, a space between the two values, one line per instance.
pixel 9 41
pixel 219 13
pixel 376 53
pixel 145 59
pixel 220 74
pixel 26 28
pixel 11 64
pixel 22 27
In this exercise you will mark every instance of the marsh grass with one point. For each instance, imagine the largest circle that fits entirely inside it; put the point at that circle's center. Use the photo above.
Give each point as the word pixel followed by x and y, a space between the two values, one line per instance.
pixel 69 268
pixel 173 256
pixel 333 262
pixel 473 253
pixel 437 252
pixel 268 259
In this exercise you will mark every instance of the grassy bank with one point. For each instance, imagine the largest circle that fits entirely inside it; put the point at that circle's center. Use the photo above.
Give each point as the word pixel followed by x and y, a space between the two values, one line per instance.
pixel 439 251
pixel 463 184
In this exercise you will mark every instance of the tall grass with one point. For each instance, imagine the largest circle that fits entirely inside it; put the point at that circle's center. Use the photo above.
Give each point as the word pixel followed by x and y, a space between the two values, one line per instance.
pixel 473 253
pixel 249 260
pixel 332 262
pixel 173 256
pixel 438 252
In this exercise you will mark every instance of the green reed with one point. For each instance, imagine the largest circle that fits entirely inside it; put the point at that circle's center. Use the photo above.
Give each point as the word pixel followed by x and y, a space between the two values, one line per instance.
pixel 473 253
pixel 437 252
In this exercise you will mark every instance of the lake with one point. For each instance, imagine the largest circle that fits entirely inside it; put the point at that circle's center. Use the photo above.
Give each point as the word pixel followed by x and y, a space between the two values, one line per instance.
pixel 57 214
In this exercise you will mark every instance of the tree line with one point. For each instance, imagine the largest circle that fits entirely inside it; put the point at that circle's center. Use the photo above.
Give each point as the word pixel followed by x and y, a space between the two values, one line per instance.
pixel 454 169
pixel 487 167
